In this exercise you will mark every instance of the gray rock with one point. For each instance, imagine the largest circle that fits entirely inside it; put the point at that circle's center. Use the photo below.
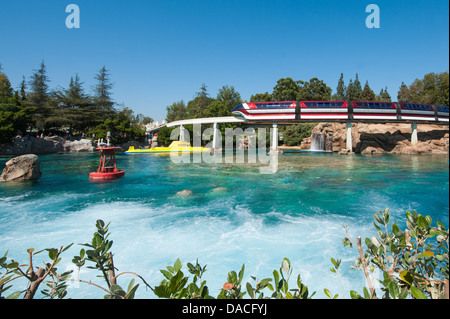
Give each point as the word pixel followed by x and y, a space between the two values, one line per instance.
pixel 24 167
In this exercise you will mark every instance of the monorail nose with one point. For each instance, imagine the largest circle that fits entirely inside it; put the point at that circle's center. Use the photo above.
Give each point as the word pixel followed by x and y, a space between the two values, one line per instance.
pixel 237 107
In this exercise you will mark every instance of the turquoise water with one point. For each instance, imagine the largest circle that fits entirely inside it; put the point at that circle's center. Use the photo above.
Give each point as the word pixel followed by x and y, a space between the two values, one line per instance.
pixel 236 215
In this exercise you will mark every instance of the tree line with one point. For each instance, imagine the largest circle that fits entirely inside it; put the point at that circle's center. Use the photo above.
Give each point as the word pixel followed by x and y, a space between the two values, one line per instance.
pixel 35 108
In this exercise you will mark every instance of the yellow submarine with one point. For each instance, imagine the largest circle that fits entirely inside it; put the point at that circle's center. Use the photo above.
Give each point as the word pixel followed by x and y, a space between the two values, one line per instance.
pixel 175 146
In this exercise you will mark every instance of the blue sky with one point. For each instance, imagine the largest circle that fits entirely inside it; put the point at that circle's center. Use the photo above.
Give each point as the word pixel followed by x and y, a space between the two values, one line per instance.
pixel 159 52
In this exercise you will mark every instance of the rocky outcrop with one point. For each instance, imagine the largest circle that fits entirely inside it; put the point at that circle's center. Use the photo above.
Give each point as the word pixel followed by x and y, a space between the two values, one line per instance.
pixel 46 145
pixel 393 138
pixel 24 167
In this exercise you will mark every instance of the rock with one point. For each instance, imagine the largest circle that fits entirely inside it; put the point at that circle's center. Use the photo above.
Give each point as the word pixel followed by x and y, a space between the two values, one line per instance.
pixel 346 151
pixel 46 145
pixel 83 145
pixel 24 167
pixel 185 192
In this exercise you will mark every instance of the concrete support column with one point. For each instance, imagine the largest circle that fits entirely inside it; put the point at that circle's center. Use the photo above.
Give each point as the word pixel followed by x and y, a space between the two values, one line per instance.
pixel 349 143
pixel 217 139
pixel 414 139
pixel 274 146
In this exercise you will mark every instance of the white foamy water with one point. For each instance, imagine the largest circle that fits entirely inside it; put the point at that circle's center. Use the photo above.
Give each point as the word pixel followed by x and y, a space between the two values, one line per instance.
pixel 251 219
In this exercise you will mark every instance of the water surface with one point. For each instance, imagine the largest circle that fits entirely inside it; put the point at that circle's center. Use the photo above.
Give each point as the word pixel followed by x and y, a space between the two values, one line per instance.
pixel 236 215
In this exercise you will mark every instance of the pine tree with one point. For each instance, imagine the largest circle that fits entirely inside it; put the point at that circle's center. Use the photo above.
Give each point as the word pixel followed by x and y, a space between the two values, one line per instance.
pixel 341 90
pixel 196 107
pixel 403 93
pixel 384 96
pixel 367 94
pixel 350 93
pixel 102 96
pixel 358 89
pixel 38 96
pixel 6 91
pixel 23 89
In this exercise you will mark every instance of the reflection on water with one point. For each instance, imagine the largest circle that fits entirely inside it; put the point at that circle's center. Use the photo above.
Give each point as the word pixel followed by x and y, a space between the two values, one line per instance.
pixel 235 215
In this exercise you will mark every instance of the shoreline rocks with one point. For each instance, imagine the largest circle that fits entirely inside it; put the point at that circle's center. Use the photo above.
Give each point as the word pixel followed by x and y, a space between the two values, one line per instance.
pixel 24 167
pixel 47 145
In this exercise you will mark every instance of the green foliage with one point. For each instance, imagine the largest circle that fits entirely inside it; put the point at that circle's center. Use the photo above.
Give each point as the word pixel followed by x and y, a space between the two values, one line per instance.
pixel 413 262
pixel 176 111
pixel 122 125
pixel 433 88
pixel 14 118
pixel 367 94
pixel 293 135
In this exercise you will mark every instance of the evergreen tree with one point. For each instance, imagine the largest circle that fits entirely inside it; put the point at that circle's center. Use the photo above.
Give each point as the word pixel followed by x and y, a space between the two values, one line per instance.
pixel 357 87
pixel 351 94
pixel 102 97
pixel 403 93
pixel 72 107
pixel 6 91
pixel 340 89
pixel 367 94
pixel 23 89
pixel 196 107
pixel 38 97
pixel 384 96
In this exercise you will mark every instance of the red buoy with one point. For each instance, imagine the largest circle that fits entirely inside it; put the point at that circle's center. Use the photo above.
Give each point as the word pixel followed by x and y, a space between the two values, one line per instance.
pixel 107 168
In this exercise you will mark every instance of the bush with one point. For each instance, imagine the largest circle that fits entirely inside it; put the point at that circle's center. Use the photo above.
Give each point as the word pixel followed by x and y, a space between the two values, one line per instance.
pixel 293 135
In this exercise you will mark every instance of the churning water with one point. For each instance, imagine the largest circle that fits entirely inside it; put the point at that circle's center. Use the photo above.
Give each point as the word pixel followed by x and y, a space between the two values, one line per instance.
pixel 234 216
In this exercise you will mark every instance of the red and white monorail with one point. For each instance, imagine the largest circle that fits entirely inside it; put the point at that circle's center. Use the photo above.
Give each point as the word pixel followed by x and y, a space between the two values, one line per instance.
pixel 341 110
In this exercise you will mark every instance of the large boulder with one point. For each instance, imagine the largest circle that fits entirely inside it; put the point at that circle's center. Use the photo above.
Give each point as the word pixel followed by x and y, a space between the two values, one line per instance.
pixel 24 167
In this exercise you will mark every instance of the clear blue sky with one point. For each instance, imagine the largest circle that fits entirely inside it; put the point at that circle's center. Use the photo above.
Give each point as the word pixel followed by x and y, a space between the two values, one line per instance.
pixel 159 52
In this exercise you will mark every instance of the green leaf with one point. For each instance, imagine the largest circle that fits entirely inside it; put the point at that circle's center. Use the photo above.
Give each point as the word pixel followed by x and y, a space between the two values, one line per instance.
pixel 14 295
pixel 327 293
pixel 393 290
pixel 52 253
pixel 241 273
pixel 355 295
pixel 177 266
pixel 250 291
pixel 378 219
pixel 417 293
pixel 426 254
pixel 232 277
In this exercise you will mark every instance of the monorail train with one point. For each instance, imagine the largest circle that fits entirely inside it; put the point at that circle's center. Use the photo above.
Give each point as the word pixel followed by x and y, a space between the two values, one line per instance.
pixel 341 110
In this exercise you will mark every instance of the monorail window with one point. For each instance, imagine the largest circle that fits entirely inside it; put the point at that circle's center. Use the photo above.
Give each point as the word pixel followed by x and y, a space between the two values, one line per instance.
pixel 323 104
pixel 442 108
pixel 374 105
pixel 272 105
pixel 418 107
